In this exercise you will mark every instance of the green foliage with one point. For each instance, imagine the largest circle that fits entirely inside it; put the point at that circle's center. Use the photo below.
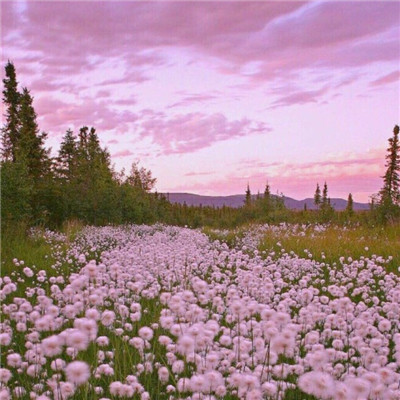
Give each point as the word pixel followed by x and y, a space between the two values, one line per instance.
pixel 317 196
pixel 389 195
pixel 247 200
pixel 11 97
pixel 16 190
pixel 140 178
pixel 349 207
pixel 326 209
pixel 15 242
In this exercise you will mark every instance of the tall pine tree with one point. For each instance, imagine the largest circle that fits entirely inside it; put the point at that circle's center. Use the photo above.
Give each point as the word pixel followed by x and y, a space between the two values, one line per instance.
pixel 11 100
pixel 317 196
pixel 349 207
pixel 390 194
pixel 325 201
pixel 66 160
pixel 247 199
pixel 30 146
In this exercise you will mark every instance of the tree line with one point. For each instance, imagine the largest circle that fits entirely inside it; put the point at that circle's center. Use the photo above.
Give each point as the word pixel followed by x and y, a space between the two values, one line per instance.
pixel 81 183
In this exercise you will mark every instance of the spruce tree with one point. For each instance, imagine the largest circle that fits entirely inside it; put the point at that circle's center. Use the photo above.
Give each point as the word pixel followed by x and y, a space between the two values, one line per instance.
pixel 30 146
pixel 317 196
pixel 67 154
pixel 267 200
pixel 267 191
pixel 11 99
pixel 30 150
pixel 326 208
pixel 349 207
pixel 325 201
pixel 247 200
pixel 390 194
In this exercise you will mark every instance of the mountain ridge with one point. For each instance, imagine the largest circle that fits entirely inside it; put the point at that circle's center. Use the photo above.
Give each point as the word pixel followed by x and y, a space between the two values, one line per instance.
pixel 237 200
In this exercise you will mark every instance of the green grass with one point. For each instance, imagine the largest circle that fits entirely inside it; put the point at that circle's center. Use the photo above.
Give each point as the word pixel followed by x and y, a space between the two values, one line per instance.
pixel 326 246
pixel 16 243
pixel 336 242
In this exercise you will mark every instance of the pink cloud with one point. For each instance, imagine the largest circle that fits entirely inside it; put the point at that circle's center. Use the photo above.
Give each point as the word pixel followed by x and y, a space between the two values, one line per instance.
pixel 122 153
pixel 103 93
pixel 356 173
pixel 388 78
pixel 299 97
pixel 194 98
pixel 361 185
pixel 195 173
pixel 280 35
pixel 190 132
pixel 125 102
pixel 59 115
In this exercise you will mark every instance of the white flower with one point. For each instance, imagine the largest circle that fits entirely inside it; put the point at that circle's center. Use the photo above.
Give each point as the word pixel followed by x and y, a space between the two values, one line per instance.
pixel 77 372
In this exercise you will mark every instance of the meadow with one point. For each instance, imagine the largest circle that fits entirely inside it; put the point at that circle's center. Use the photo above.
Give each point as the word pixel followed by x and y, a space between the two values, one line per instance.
pixel 289 311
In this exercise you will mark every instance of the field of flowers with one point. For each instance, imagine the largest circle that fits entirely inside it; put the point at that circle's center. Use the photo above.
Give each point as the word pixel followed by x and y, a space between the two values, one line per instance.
pixel 160 312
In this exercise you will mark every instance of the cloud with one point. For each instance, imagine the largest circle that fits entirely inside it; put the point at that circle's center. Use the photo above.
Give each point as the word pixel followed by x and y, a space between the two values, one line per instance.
pixel 122 153
pixel 192 99
pixel 388 78
pixel 360 176
pixel 348 163
pixel 187 133
pixel 59 115
pixel 281 36
pixel 299 97
pixel 125 102
pixel 118 45
pixel 359 173
pixel 196 173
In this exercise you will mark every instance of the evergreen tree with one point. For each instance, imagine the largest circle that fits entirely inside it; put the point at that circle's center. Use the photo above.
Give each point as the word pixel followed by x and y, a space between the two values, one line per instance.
pixel 317 196
pixel 267 191
pixel 349 207
pixel 31 151
pixel 326 208
pixel 16 193
pixel 23 146
pixel 93 183
pixel 325 201
pixel 247 200
pixel 267 199
pixel 30 146
pixel 390 194
pixel 11 99
pixel 66 160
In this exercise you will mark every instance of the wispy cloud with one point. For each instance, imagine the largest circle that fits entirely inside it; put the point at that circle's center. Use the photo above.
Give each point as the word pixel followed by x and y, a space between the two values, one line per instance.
pixel 187 133
pixel 388 78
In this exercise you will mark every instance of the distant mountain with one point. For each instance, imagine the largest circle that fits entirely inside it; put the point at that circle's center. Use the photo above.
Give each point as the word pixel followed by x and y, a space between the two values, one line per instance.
pixel 237 200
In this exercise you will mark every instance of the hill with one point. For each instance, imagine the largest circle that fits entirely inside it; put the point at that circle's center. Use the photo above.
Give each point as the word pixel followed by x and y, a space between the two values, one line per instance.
pixel 237 200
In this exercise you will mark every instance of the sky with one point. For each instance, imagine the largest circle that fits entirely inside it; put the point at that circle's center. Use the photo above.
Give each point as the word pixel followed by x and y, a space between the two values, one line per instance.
pixel 211 96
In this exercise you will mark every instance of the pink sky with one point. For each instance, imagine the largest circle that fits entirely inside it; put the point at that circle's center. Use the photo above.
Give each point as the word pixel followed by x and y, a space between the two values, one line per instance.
pixel 210 96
